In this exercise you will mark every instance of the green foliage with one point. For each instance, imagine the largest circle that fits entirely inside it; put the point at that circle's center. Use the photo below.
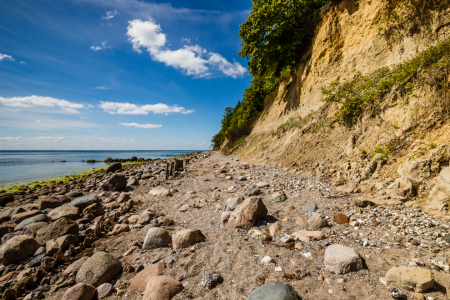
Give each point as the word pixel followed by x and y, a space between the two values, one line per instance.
pixel 358 94
pixel 432 145
pixel 271 37
pixel 385 152
pixel 363 153
pixel 273 32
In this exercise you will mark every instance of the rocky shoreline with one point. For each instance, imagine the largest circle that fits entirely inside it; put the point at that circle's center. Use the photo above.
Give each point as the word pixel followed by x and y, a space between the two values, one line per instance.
pixel 210 226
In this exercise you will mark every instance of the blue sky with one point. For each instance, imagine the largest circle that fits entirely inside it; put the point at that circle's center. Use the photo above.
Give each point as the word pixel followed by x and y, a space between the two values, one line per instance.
pixel 118 74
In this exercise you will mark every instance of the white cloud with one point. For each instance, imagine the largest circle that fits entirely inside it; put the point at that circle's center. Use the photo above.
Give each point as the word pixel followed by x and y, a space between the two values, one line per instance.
pixel 133 109
pixel 194 60
pixel 10 139
pixel 22 62
pixel 145 34
pixel 102 47
pixel 231 69
pixel 49 138
pixel 39 101
pixel 146 126
pixel 101 88
pixel 4 56
pixel 110 15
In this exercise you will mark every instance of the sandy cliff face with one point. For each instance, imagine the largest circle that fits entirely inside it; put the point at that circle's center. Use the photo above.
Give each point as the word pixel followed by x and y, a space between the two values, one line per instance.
pixel 298 132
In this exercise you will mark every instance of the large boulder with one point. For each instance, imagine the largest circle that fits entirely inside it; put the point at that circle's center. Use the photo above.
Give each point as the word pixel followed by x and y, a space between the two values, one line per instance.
pixel 36 219
pixel 6 198
pixel 17 248
pixel 113 168
pixel 65 211
pixel 84 201
pixel 340 259
pixel 50 202
pixel 116 182
pixel 274 291
pixel 186 238
pixel 99 268
pixel 247 213
pixel 156 238
pixel 410 278
pixel 141 279
pixel 162 288
pixel 56 229
pixel 80 291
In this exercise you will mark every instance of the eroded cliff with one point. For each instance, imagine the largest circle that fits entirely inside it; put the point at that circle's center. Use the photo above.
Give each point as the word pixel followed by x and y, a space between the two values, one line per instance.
pixel 398 147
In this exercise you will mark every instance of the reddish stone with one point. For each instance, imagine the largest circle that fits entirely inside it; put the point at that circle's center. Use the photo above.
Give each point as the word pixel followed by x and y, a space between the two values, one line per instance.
pixel 145 218
pixel 80 291
pixel 341 219
pixel 247 213
pixel 162 288
pixel 141 279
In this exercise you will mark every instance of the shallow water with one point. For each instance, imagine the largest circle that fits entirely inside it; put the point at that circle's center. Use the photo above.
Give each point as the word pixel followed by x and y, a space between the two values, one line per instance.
pixel 26 166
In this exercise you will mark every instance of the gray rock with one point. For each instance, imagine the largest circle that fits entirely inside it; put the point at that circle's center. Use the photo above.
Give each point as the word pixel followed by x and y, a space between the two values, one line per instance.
pixel 74 194
pixel 104 290
pixel 100 268
pixel 241 178
pixel 253 191
pixel 24 215
pixel 56 229
pixel 132 182
pixel 85 201
pixel 278 197
pixel 65 211
pixel 211 280
pixel 156 238
pixel 6 214
pixel 274 291
pixel 232 203
pixel 310 207
pixel 447 238
pixel 29 221
pixel 340 259
pixel 36 261
pixel 17 248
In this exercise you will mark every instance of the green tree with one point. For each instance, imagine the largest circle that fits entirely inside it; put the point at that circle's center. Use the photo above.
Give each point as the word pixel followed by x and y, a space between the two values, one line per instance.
pixel 271 37
pixel 273 32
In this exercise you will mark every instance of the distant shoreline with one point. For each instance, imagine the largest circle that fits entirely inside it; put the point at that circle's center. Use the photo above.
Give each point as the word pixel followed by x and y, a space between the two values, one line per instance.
pixel 74 168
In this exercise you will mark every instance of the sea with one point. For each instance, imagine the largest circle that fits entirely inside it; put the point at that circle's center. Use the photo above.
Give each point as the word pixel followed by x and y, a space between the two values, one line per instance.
pixel 17 167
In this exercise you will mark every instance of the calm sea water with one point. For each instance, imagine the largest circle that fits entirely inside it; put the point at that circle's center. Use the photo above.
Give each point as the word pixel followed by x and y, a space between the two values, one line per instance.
pixel 26 166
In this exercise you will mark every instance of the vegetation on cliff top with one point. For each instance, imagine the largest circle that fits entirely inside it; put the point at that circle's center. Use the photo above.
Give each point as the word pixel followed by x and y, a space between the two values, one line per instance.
pixel 271 37
pixel 431 66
